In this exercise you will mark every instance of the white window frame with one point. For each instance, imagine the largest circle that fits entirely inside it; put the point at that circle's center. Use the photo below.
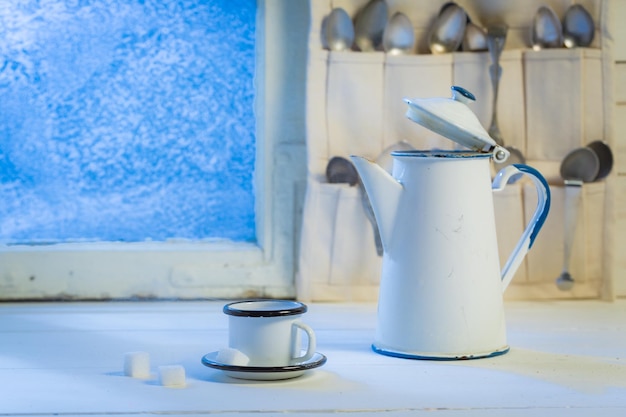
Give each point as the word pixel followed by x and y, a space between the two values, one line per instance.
pixel 208 269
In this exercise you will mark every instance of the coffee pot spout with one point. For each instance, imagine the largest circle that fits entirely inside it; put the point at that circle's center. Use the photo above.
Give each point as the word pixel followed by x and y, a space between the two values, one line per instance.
pixel 384 193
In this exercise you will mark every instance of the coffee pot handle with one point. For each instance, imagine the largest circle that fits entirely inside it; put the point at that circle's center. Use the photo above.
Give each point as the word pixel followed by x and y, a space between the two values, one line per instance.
pixel 532 228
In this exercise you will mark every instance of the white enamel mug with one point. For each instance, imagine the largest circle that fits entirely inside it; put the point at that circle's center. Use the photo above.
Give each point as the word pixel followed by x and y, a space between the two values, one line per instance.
pixel 269 332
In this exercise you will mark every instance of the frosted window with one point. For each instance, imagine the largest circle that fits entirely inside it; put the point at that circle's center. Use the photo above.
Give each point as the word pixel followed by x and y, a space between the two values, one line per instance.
pixel 126 120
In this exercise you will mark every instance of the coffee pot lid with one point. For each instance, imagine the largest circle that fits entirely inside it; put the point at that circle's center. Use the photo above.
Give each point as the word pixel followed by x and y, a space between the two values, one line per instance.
pixel 453 119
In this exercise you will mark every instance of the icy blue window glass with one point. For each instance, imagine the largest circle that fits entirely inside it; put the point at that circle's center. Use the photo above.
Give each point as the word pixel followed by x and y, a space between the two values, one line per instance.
pixel 126 120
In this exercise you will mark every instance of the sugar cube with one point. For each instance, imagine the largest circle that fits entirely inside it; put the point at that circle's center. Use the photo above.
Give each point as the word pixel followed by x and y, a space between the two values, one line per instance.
pixel 137 364
pixel 172 375
pixel 230 356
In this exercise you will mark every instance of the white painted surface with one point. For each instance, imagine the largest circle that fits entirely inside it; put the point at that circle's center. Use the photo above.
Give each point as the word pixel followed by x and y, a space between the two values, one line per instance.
pixel 620 235
pixel 618 11
pixel 566 358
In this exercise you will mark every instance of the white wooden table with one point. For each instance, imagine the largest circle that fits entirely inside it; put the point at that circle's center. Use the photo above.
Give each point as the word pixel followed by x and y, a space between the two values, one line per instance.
pixel 566 358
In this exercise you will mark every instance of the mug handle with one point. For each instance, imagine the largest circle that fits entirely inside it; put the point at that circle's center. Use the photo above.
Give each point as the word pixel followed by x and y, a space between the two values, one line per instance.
pixel 311 345
pixel 535 224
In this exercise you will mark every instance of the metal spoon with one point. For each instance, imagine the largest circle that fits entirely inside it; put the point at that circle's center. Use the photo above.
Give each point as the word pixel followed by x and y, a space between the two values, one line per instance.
pixel 496 38
pixel 341 171
pixel 448 31
pixel 578 27
pixel 337 30
pixel 475 38
pixel 369 26
pixel 580 165
pixel 546 31
pixel 398 36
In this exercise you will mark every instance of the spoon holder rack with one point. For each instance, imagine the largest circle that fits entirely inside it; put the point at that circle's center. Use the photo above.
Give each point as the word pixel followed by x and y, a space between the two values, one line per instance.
pixel 550 102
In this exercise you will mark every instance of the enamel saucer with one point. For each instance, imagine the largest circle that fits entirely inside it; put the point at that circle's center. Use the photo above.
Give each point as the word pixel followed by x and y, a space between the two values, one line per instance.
pixel 264 373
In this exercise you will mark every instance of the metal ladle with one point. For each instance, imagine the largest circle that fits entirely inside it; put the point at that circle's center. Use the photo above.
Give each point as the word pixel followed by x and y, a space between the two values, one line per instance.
pixel 579 166
pixel 573 188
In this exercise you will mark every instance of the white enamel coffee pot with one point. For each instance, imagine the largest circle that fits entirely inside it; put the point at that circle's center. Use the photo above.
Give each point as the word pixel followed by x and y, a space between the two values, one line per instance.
pixel 441 285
